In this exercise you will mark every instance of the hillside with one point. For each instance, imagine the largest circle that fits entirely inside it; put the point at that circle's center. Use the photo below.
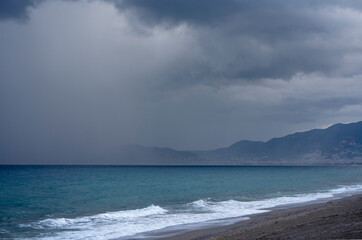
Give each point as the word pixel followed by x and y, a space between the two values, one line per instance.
pixel 336 145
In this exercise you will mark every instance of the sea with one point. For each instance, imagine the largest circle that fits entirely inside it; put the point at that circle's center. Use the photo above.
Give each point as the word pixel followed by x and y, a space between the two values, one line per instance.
pixel 118 202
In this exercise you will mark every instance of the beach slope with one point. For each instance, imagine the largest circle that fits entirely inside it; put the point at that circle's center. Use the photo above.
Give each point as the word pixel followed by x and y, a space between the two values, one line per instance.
pixel 336 219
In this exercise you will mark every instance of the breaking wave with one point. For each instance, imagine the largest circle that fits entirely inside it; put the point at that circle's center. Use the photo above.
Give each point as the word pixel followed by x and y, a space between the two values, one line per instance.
pixel 131 222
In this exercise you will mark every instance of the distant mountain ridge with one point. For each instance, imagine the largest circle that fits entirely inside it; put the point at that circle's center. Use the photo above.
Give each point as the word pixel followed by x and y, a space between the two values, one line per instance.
pixel 340 144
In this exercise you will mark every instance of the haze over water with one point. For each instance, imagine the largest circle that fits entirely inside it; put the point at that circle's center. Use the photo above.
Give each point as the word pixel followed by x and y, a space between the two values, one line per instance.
pixel 99 202
pixel 88 82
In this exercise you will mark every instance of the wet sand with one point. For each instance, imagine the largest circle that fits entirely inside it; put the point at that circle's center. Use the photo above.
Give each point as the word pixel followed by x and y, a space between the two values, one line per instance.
pixel 336 219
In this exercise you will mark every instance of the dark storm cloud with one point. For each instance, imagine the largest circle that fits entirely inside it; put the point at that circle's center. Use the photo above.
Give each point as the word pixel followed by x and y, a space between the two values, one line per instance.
pixel 15 9
pixel 208 11
pixel 253 39
pixel 245 40
pixel 173 12
pixel 82 75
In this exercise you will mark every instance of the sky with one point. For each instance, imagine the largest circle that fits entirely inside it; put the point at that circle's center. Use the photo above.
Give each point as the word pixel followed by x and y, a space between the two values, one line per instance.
pixel 83 76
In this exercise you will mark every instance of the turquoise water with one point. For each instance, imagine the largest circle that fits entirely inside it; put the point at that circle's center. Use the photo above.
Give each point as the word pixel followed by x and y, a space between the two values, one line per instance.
pixel 100 202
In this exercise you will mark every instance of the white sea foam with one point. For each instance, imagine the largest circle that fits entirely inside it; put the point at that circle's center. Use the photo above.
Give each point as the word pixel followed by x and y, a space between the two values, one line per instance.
pixel 130 222
pixel 3 231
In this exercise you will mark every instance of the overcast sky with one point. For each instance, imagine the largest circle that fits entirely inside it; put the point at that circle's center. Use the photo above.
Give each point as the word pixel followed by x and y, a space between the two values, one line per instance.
pixel 80 75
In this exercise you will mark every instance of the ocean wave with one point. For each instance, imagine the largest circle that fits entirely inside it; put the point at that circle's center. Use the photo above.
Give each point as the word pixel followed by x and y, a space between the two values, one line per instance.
pixel 130 222
pixel 103 218
pixel 3 231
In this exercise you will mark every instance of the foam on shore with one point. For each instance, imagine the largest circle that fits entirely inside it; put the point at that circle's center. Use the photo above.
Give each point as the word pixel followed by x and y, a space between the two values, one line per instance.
pixel 131 222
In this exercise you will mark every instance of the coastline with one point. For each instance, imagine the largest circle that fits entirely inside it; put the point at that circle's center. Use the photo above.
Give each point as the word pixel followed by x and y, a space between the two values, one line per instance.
pixel 334 219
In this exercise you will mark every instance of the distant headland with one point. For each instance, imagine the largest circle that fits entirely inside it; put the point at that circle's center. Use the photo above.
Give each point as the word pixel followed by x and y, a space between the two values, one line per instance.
pixel 339 144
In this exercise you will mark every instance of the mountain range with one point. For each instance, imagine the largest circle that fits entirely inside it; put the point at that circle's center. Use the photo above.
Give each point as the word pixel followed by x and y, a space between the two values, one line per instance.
pixel 340 144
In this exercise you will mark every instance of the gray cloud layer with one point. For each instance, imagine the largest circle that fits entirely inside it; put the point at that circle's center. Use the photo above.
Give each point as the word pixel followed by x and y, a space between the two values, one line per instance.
pixel 83 76
pixel 16 9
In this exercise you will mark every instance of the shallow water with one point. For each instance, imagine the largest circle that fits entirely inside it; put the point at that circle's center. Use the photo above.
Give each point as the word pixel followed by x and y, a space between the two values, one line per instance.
pixel 100 202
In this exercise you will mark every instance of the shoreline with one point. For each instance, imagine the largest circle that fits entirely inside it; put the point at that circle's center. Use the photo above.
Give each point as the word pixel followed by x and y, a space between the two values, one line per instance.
pixel 337 218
